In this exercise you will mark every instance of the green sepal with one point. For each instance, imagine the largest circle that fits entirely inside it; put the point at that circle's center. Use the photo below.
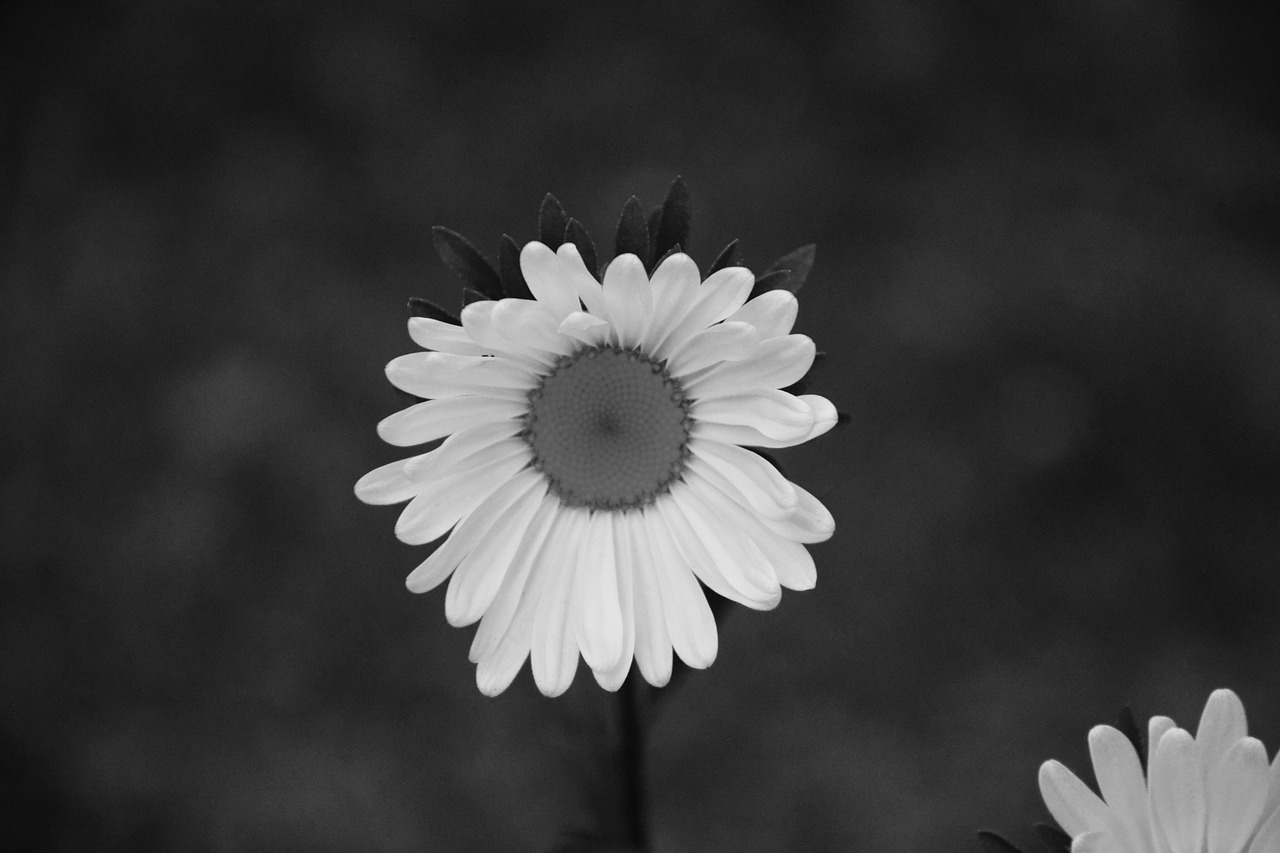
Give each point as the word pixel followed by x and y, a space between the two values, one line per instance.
pixel 770 281
pixel 423 308
pixel 672 251
pixel 577 234
pixel 552 222
pixel 513 283
pixel 1054 839
pixel 652 223
pixel 795 264
pixel 1128 726
pixel 632 234
pixel 728 257
pixel 472 267
pixel 674 220
pixel 992 843
pixel 470 294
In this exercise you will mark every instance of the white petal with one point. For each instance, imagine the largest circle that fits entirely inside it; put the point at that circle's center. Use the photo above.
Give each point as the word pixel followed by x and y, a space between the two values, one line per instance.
pixel 439 374
pixel 1076 809
pixel 443 501
pixel 719 296
pixel 675 285
pixel 752 480
pixel 628 299
pixel 825 415
pixel 723 342
pixel 1156 727
pixel 690 622
pixel 1237 794
pixel 1123 786
pixel 553 651
pixel 468 534
pixel 598 618
pixel 773 313
pixel 497 618
pixel 611 679
pixel 776 363
pixel 588 328
pixel 1097 842
pixel 1177 792
pixel 774 414
pixel 461 450
pixel 508 636
pixel 548 280
pixel 438 335
pixel 719 557
pixel 1221 724
pixel 1273 798
pixel 434 419
pixel 786 559
pixel 1268 838
pixel 478 576
pixel 583 280
pixel 518 329
pixel 810 523
pixel 387 484
pixel 652 642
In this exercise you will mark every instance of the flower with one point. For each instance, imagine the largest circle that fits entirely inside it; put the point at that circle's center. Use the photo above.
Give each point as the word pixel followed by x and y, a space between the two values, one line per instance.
pixel 1212 793
pixel 594 468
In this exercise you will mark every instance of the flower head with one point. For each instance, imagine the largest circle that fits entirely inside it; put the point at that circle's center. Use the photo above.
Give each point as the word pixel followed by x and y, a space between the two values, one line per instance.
pixel 1211 793
pixel 593 468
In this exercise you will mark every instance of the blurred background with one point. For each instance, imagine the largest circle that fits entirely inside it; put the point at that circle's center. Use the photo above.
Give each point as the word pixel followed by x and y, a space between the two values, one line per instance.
pixel 1048 284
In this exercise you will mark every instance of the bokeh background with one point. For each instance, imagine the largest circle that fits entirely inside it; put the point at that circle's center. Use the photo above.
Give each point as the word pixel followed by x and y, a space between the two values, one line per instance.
pixel 1048 284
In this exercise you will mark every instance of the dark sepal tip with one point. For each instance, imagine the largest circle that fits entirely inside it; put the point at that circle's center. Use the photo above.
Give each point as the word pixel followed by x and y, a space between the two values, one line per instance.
pixel 552 222
pixel 513 283
pixel 1054 839
pixel 632 235
pixel 464 259
pixel 993 843
pixel 577 234
pixel 424 308
pixel 674 218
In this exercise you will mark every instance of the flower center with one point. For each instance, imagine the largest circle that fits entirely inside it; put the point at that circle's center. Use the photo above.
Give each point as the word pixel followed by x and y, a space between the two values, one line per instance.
pixel 609 429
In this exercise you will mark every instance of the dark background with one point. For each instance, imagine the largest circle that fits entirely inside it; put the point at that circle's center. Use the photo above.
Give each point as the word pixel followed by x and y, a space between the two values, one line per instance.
pixel 1047 283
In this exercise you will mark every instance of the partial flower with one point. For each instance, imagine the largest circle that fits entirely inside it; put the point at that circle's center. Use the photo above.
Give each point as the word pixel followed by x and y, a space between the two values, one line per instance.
pixel 595 467
pixel 1211 793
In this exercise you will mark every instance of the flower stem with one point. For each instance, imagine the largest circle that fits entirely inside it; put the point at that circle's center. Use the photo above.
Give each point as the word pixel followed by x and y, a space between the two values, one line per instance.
pixel 631 765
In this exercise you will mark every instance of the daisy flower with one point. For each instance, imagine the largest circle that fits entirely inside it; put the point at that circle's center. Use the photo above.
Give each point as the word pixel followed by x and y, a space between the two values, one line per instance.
pixel 1211 793
pixel 594 465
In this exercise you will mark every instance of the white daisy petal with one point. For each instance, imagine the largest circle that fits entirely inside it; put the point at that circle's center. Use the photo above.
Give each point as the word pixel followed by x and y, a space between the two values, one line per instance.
pixel 587 328
pixel 652 640
pixel 1177 792
pixel 773 414
pixel 775 363
pixel 773 313
pixel 611 679
pixel 461 450
pixel 751 479
pixel 628 300
pixel 718 297
pixel 443 501
pixel 810 523
pixel 1273 787
pixel 548 280
pixel 520 329
pixel 1076 809
pixel 477 578
pixel 434 419
pixel 1222 723
pixel 387 484
pixel 503 640
pixel 1122 784
pixel 467 535
pixel 825 415
pixel 553 649
pixel 1268 838
pixel 690 622
pixel 1097 842
pixel 718 555
pixel 438 374
pixel 675 286
pixel 1156 727
pixel 438 335
pixel 723 342
pixel 498 617
pixel 1236 789
pixel 583 280
pixel 599 615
